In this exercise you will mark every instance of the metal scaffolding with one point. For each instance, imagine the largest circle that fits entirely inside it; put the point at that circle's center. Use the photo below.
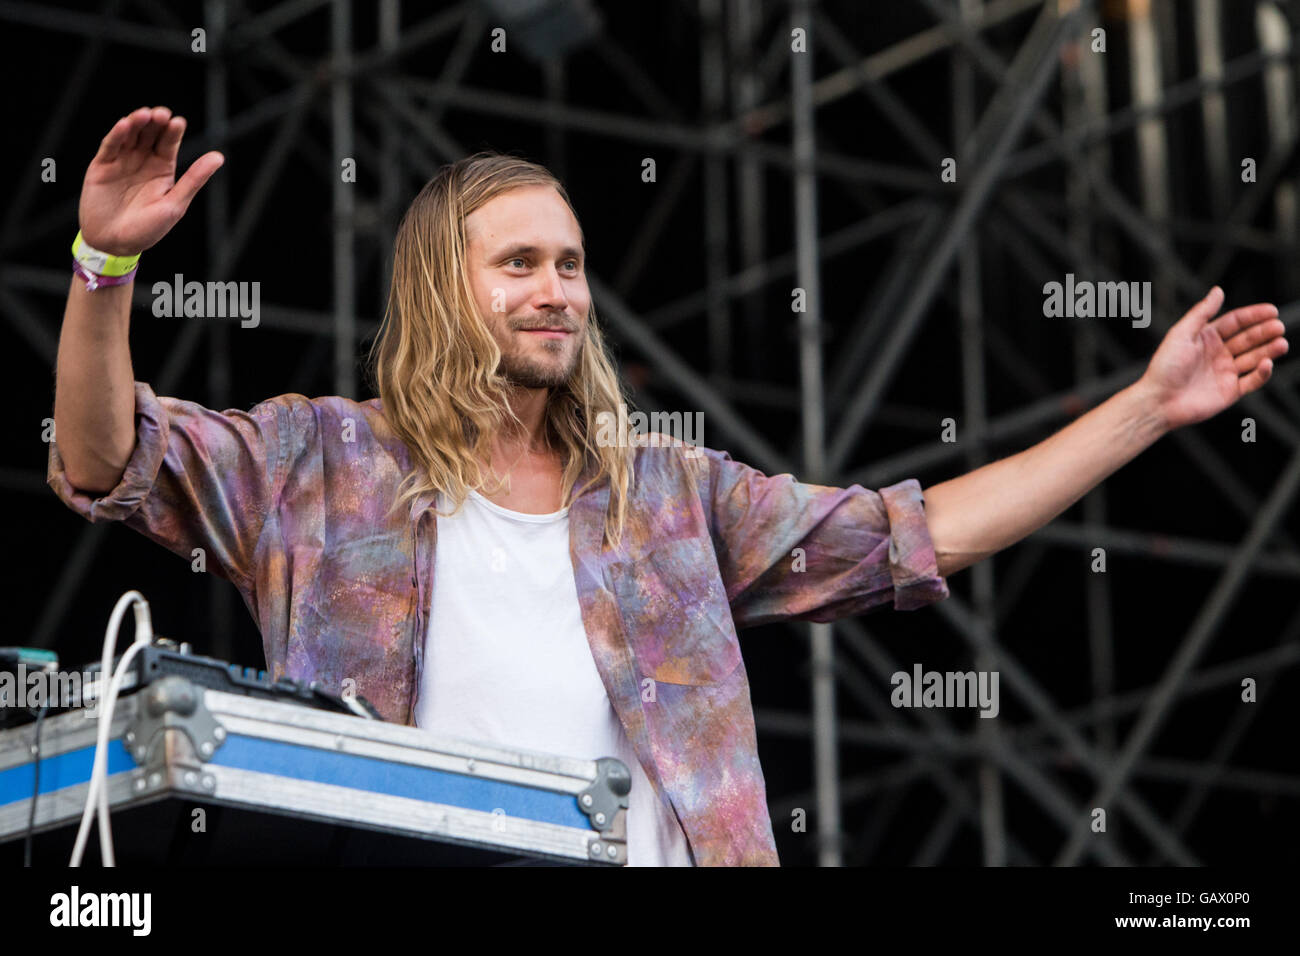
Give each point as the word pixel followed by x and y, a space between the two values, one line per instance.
pixel 1053 110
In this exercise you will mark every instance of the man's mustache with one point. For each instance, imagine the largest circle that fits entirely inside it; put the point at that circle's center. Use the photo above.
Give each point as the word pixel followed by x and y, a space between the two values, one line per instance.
pixel 552 324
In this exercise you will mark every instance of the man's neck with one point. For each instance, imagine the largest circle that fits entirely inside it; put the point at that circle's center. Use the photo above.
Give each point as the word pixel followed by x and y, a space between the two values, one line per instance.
pixel 529 406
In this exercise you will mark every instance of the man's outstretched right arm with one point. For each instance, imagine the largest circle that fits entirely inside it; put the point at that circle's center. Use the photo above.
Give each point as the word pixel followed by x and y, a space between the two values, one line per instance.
pixel 130 199
pixel 194 480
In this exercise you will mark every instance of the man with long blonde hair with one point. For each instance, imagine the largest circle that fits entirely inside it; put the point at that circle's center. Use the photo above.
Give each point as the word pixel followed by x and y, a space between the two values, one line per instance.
pixel 588 591
pixel 490 351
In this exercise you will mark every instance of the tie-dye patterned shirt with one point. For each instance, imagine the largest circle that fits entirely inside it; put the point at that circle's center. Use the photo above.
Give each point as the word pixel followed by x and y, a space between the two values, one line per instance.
pixel 291 501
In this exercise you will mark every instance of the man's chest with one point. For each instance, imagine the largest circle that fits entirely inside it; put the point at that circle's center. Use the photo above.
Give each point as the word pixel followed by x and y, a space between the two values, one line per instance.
pixel 535 487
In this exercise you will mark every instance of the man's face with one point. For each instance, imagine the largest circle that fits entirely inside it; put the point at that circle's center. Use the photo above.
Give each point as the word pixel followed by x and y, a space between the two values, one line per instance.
pixel 527 271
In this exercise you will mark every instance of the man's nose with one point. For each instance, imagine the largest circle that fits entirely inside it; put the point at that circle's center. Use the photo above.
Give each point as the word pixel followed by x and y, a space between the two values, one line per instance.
pixel 551 290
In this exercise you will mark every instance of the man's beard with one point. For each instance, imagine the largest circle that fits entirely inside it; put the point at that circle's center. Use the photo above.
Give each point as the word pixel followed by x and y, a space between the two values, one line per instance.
pixel 523 372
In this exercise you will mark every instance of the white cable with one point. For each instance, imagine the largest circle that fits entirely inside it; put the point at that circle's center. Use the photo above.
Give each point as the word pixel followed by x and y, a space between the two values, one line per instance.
pixel 97 794
pixel 105 831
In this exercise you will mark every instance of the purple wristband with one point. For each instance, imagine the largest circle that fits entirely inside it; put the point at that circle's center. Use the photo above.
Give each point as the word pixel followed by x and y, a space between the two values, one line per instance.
pixel 95 281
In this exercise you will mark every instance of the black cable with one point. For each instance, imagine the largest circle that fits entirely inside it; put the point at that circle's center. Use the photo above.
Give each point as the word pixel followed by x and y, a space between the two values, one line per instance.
pixel 36 787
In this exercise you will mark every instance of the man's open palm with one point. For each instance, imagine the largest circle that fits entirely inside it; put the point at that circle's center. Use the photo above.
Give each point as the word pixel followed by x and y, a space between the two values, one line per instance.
pixel 130 197
pixel 1203 366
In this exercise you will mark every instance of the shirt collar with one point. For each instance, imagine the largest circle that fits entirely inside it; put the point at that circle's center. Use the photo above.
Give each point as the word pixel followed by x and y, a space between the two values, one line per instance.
pixel 425 499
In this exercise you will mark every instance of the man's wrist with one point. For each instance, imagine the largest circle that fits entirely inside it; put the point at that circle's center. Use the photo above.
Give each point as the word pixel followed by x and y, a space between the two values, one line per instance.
pixel 94 281
pixel 101 269
pixel 1149 410
pixel 100 262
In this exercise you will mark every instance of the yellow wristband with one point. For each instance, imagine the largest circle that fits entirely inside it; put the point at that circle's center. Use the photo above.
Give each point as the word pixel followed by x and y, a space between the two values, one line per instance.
pixel 101 263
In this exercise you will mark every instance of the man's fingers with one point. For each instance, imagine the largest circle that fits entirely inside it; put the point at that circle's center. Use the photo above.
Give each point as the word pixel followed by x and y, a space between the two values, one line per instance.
pixel 1249 383
pixel 111 144
pixel 200 172
pixel 136 121
pixel 1203 311
pixel 1254 334
pixel 146 129
pixel 169 143
pixel 1269 350
pixel 158 118
pixel 1231 323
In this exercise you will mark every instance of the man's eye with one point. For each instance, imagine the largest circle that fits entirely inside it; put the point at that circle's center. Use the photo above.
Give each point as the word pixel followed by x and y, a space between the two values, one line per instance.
pixel 520 261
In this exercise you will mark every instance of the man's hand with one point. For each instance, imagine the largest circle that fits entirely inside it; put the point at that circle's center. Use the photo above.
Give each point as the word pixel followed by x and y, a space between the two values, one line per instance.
pixel 1203 366
pixel 130 197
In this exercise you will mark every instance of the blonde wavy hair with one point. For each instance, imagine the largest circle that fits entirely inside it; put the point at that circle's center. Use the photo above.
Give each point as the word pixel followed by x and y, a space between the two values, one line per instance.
pixel 435 363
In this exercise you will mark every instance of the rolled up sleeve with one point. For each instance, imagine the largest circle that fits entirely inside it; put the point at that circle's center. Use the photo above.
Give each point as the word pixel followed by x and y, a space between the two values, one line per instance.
pixel 197 479
pixel 788 550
